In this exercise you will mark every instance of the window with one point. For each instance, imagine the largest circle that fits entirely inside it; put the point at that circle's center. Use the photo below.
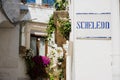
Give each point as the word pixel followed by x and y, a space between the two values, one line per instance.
pixel 48 2
pixel 31 1
pixel 38 45
pixel 28 1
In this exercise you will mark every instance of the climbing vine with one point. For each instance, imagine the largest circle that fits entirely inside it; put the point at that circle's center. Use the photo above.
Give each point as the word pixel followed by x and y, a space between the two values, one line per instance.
pixel 51 27
pixel 64 24
pixel 65 28
pixel 61 5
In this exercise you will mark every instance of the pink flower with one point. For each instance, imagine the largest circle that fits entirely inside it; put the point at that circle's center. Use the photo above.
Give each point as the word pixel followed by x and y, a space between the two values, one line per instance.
pixel 45 60
pixel 41 60
pixel 37 59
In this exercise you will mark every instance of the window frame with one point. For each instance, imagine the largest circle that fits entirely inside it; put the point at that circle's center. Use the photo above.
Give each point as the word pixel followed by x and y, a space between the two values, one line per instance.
pixel 46 43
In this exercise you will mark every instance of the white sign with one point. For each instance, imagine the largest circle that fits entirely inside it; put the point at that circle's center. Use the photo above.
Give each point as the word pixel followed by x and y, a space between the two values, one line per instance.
pixel 93 25
pixel 91 22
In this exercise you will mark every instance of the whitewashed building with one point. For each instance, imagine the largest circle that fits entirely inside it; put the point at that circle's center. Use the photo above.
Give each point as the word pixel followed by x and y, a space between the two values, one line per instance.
pixel 14 33
pixel 9 39
pixel 35 17
pixel 87 59
pixel 94 57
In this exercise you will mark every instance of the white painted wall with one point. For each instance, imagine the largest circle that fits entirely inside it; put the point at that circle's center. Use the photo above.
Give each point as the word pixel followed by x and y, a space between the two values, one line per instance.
pixel 37 14
pixel 9 42
pixel 92 5
pixel 9 52
pixel 116 39
pixel 91 58
pixel 2 18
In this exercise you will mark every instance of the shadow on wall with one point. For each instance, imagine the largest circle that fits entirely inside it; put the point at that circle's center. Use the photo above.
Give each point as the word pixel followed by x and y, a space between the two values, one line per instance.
pixel 5 24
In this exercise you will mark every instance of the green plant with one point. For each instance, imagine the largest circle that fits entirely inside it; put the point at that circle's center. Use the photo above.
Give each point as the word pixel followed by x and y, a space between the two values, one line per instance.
pixel 65 28
pixel 36 65
pixel 61 5
pixel 51 27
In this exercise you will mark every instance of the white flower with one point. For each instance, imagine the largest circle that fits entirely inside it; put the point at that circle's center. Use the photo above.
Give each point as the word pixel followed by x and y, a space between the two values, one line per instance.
pixel 59 52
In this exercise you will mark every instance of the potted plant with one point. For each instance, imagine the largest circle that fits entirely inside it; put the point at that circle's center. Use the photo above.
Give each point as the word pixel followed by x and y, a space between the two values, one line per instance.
pixel 36 66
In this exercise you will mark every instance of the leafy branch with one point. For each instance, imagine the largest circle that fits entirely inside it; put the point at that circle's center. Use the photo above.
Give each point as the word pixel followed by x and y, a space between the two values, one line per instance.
pixel 51 27
pixel 61 5
pixel 65 28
